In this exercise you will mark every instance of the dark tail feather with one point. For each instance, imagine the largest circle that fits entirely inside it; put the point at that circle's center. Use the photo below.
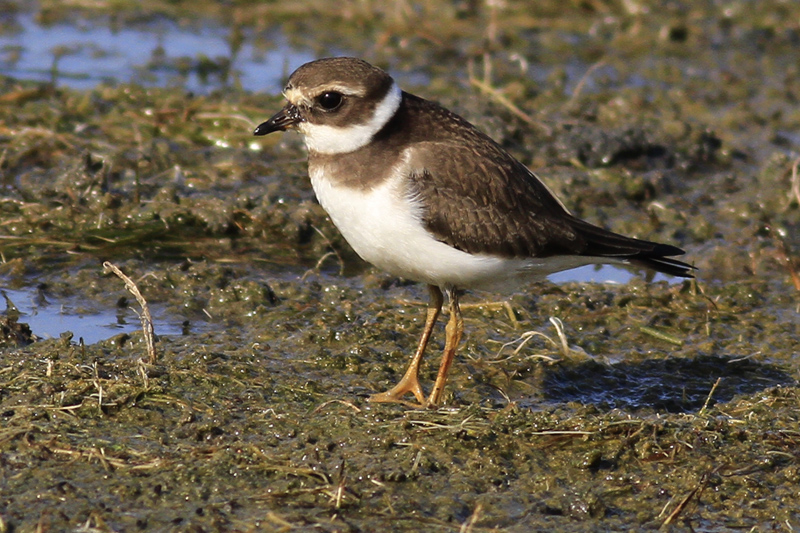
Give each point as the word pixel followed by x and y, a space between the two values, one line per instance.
pixel 604 243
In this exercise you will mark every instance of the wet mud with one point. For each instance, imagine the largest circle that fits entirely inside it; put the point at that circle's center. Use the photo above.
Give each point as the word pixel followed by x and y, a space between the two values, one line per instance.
pixel 655 404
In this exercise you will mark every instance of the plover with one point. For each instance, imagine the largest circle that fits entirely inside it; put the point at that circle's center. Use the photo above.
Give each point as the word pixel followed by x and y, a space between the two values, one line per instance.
pixel 419 192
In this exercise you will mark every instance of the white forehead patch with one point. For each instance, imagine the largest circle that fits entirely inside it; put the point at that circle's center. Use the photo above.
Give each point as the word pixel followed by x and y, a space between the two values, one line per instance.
pixel 296 97
pixel 334 140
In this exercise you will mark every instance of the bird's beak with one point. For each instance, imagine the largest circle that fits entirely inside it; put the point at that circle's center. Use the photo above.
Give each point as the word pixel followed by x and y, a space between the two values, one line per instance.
pixel 286 118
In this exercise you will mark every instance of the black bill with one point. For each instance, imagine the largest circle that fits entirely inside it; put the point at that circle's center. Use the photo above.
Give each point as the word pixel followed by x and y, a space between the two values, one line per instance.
pixel 284 119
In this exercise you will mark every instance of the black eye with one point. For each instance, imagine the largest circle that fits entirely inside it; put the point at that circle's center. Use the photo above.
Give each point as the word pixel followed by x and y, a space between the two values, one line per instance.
pixel 330 100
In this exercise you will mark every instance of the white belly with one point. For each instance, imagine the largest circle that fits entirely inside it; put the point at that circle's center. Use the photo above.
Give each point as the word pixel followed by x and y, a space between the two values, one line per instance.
pixel 384 227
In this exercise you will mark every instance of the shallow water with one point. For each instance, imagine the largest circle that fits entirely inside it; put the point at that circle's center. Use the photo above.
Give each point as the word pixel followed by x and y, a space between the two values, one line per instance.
pixel 50 316
pixel 88 51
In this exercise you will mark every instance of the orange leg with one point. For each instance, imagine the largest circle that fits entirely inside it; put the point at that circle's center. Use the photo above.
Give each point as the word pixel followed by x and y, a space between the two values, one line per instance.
pixel 453 332
pixel 410 381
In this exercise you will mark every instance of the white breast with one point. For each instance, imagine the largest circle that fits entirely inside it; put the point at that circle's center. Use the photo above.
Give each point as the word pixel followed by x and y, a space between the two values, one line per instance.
pixel 384 226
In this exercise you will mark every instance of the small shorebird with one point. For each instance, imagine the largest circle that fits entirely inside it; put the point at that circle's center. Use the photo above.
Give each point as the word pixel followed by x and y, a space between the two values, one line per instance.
pixel 421 193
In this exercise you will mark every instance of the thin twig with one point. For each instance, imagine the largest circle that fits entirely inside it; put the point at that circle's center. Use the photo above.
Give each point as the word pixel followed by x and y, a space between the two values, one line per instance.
pixel 582 82
pixel 146 318
pixel 796 180
pixel 467 526
pixel 503 100
pixel 332 253
pixel 710 394
pixel 559 325
pixel 784 255
pixel 523 340
pixel 658 334
pixel 695 492
pixel 343 402
pixel 224 116
pixel 486 87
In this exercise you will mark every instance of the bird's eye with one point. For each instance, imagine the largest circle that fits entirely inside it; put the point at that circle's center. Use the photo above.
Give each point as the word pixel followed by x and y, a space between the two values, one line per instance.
pixel 330 100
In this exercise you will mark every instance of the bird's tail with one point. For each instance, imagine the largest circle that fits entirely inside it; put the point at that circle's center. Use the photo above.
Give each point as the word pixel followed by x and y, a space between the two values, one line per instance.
pixel 653 255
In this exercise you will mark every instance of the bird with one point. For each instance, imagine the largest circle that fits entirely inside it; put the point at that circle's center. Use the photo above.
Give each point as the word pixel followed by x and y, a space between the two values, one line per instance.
pixel 421 193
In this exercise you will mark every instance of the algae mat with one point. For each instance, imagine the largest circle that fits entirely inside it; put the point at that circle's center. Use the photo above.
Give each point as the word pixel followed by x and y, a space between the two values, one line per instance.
pixel 643 405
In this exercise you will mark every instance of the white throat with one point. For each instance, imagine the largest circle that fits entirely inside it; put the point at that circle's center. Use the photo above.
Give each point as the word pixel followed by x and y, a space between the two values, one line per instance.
pixel 333 140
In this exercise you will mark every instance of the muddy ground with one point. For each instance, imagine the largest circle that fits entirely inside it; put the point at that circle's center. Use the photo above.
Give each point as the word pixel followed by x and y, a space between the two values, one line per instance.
pixel 669 405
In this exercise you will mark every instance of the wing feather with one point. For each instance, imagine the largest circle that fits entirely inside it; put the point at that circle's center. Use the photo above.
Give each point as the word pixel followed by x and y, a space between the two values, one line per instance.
pixel 492 204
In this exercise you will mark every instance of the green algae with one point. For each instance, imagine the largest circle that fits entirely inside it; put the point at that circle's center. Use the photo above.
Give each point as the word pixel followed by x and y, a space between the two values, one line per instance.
pixel 655 406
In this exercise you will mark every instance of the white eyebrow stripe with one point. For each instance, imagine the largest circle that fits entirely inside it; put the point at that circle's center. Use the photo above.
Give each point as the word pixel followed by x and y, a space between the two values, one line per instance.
pixel 348 91
pixel 300 98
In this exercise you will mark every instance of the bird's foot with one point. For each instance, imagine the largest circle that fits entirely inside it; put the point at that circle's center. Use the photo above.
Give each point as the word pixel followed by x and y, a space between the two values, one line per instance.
pixel 409 384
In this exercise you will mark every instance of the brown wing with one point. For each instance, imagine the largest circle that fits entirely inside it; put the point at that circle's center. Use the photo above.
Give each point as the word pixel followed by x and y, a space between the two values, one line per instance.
pixel 488 202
